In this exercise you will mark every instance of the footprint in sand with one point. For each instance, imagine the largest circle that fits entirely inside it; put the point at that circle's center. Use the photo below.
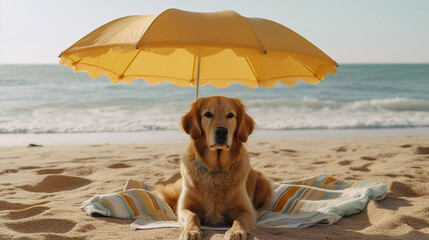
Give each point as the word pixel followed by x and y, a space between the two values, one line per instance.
pixel 5 205
pixel 398 175
pixel 422 150
pixel 50 225
pixel 119 165
pixel 403 190
pixel 391 175
pixel 368 158
pixel 340 149
pixel 86 228
pixel 345 162
pixel 288 150
pixel 415 223
pixel 400 221
pixel 9 171
pixel 29 168
pixel 29 212
pixel 14 157
pixel 56 183
pixel 319 162
pixel 363 168
pixel 50 171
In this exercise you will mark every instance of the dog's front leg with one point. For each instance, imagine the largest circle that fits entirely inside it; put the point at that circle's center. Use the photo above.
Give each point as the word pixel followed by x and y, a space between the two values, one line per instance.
pixel 243 223
pixel 191 225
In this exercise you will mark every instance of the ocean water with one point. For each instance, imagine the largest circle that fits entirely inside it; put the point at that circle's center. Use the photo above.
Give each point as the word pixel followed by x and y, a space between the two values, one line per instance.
pixel 53 99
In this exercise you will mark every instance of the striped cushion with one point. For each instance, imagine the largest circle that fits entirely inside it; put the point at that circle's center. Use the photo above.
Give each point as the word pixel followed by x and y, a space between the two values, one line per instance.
pixel 321 199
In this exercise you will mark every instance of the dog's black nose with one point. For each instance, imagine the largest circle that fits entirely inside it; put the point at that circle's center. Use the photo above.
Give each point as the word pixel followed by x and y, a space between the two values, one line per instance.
pixel 221 131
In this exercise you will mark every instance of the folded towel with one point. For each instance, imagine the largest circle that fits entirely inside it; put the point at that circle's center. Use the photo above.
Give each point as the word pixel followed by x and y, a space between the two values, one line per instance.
pixel 321 199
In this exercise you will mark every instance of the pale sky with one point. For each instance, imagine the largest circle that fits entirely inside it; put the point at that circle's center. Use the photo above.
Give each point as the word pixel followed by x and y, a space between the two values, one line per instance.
pixel 364 31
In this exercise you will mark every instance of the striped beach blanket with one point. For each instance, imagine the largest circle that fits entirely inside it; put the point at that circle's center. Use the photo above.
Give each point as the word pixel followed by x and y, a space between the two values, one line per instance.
pixel 321 200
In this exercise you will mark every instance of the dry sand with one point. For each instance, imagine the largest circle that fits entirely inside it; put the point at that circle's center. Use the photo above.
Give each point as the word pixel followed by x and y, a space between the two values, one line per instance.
pixel 41 188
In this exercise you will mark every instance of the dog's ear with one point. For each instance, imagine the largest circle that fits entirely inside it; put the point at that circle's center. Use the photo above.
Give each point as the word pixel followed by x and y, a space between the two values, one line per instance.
pixel 191 122
pixel 245 123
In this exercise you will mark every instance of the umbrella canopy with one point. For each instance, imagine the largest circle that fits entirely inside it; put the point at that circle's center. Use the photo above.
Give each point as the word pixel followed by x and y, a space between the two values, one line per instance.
pixel 185 48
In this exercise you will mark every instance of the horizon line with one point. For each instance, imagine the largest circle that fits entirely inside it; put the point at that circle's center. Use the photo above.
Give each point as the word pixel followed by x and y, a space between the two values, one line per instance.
pixel 339 63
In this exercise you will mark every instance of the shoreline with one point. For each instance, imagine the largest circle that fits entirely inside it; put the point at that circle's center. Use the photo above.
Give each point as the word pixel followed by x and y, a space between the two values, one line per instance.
pixel 176 136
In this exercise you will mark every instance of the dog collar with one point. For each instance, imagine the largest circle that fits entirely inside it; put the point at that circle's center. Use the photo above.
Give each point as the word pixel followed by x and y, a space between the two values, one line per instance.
pixel 202 167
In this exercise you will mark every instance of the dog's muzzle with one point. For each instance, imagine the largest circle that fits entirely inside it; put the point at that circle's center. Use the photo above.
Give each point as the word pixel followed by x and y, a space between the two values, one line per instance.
pixel 221 134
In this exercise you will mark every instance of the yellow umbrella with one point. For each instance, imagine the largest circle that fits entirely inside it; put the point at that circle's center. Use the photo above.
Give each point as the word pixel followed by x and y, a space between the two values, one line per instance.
pixel 190 48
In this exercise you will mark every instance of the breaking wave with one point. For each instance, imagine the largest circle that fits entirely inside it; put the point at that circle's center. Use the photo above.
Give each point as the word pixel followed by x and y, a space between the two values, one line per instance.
pixel 306 113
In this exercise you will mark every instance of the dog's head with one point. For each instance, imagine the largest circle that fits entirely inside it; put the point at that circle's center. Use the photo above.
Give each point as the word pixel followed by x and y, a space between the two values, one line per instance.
pixel 219 120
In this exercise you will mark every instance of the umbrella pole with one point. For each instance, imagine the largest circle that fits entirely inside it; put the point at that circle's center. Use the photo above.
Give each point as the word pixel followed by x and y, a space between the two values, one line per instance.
pixel 198 79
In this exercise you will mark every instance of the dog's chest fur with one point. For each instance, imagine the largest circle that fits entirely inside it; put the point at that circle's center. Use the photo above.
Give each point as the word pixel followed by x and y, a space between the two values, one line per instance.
pixel 214 211
pixel 217 191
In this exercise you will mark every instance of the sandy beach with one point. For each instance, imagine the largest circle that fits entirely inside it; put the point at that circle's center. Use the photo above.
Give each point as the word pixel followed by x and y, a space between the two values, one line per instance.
pixel 41 188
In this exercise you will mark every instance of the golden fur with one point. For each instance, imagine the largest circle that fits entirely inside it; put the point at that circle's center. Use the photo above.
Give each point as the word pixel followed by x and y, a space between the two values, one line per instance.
pixel 219 199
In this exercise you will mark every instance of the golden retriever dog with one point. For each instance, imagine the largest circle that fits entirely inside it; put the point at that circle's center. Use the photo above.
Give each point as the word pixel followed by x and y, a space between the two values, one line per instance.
pixel 218 187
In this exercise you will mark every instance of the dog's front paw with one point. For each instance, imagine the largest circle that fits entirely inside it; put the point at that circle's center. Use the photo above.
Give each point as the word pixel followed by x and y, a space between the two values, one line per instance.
pixel 191 235
pixel 235 234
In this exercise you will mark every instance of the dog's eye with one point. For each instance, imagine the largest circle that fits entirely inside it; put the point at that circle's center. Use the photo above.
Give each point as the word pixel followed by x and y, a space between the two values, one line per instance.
pixel 208 115
pixel 230 115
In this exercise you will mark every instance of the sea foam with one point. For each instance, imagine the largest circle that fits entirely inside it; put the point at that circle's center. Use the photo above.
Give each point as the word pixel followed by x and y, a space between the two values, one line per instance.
pixel 307 113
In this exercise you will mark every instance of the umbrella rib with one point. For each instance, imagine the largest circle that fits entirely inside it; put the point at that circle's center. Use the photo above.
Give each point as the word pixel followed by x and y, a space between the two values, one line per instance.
pixel 129 64
pixel 150 25
pixel 74 63
pixel 102 68
pixel 314 75
pixel 252 69
pixel 257 36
